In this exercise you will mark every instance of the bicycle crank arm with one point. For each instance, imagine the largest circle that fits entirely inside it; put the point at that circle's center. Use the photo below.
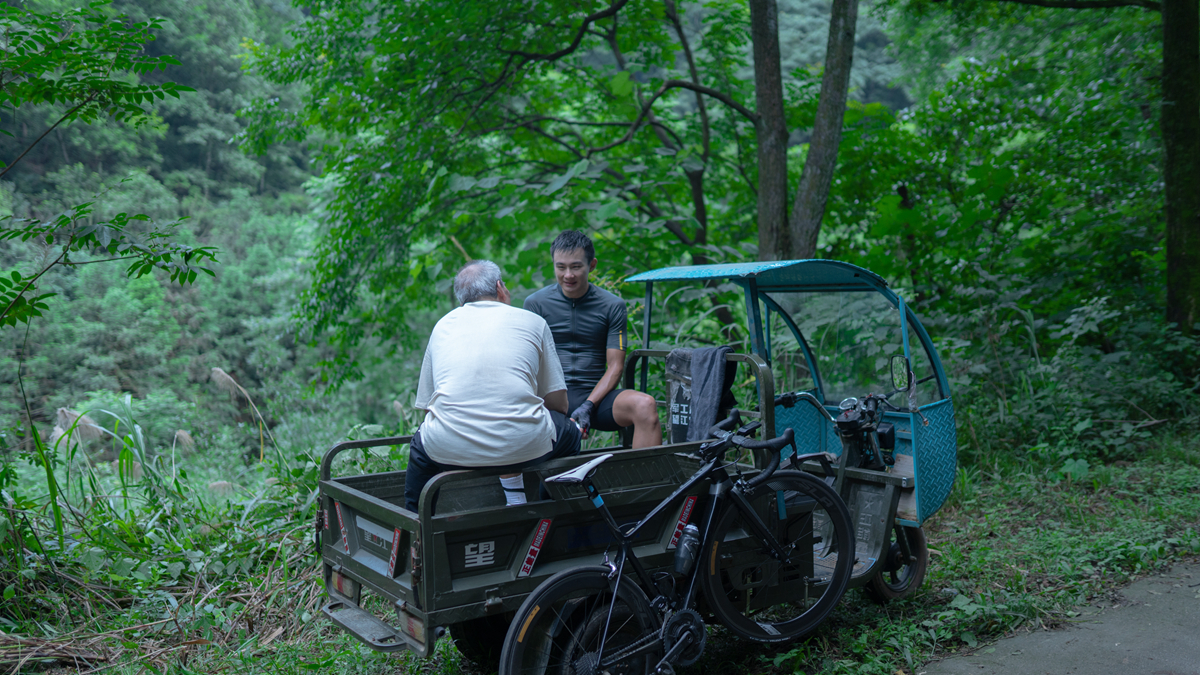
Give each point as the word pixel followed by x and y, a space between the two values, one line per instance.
pixel 664 666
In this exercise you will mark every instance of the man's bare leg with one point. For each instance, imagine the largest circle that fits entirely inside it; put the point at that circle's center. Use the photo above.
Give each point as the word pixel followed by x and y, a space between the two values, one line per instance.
pixel 640 410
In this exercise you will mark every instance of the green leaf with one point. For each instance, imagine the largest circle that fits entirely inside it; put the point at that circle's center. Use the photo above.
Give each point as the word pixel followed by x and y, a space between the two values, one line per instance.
pixel 621 85
pixel 608 210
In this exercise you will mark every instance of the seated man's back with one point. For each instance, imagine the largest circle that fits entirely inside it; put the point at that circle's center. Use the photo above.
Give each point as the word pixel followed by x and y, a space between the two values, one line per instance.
pixel 486 369
pixel 492 390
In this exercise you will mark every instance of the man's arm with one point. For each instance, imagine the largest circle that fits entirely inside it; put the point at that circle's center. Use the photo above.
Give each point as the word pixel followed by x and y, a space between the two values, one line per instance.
pixel 614 354
pixel 552 387
pixel 614 366
pixel 556 401
pixel 424 384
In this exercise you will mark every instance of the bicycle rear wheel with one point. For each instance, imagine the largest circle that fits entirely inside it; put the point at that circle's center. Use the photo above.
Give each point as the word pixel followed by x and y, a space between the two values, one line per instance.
pixel 560 627
pixel 761 599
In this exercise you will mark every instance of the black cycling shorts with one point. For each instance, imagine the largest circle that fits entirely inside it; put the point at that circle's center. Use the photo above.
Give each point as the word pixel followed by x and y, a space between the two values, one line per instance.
pixel 602 416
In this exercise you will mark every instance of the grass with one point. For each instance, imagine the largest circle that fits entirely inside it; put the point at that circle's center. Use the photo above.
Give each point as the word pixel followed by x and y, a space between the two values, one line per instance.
pixel 1015 549
pixel 231 585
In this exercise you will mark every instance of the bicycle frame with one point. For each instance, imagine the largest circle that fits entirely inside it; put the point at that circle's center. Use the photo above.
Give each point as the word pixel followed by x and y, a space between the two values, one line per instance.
pixel 722 487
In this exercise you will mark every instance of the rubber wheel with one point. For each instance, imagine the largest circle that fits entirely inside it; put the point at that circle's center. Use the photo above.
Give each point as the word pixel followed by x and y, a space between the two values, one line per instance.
pixel 760 599
pixel 482 640
pixel 559 628
pixel 898 579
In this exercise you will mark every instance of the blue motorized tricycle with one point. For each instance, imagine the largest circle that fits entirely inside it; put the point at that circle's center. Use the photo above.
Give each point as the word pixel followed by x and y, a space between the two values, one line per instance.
pixel 844 446
pixel 832 336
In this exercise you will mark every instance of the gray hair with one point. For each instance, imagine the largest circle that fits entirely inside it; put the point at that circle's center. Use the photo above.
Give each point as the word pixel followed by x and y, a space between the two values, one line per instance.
pixel 476 281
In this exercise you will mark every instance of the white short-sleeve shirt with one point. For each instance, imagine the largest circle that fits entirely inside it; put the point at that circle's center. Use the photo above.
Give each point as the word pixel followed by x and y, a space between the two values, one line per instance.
pixel 486 371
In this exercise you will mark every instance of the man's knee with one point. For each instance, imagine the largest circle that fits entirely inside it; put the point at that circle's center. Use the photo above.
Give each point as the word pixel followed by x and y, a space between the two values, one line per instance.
pixel 644 409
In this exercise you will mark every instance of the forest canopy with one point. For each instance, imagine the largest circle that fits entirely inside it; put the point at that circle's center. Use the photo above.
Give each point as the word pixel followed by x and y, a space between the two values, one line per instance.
pixel 1032 160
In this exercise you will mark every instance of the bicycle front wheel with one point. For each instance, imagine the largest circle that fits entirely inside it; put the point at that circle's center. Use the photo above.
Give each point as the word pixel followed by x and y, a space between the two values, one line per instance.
pixel 761 599
pixel 565 627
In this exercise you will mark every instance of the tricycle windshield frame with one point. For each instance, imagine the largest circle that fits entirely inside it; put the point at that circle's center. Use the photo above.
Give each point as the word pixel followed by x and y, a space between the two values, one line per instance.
pixel 760 279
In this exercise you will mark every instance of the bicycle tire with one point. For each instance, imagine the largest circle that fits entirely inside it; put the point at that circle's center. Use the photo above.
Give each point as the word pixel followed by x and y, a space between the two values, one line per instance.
pixel 557 629
pixel 753 595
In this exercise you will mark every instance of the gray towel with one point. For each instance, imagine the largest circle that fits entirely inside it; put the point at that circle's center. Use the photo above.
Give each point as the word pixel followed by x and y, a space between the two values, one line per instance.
pixel 712 378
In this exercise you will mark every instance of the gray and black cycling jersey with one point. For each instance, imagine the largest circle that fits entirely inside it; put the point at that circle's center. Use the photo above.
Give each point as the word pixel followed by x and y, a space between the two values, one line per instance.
pixel 583 329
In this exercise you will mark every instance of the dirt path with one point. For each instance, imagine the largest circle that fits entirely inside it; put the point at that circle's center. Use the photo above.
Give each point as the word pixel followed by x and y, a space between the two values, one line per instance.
pixel 1153 629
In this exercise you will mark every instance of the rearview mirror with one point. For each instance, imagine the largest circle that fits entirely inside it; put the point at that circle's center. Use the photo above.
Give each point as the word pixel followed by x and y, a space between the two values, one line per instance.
pixel 901 373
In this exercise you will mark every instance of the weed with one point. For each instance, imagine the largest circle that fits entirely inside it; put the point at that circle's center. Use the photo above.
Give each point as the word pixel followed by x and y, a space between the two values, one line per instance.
pixel 162 574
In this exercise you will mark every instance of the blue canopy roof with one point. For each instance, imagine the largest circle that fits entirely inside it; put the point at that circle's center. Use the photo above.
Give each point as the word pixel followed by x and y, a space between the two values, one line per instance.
pixel 827 275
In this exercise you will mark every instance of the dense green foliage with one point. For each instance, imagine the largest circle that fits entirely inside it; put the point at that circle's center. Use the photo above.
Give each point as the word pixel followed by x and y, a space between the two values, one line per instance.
pixel 1018 203
pixel 78 63
pixel 345 157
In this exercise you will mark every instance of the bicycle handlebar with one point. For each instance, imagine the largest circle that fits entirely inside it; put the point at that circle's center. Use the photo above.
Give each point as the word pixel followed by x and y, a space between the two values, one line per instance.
pixel 774 445
pixel 726 425
pixel 723 431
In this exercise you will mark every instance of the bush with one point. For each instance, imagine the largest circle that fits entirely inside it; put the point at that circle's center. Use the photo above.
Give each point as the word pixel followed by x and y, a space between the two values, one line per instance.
pixel 1090 386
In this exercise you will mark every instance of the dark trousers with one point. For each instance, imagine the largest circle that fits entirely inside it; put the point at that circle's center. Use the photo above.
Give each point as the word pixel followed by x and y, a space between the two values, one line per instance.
pixel 422 468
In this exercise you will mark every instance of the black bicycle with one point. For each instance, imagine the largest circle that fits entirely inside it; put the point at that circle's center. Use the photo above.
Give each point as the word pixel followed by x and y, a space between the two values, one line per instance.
pixel 770 559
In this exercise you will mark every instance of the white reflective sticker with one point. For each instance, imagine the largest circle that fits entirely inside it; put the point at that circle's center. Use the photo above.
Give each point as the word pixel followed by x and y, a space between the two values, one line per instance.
pixel 685 514
pixel 395 552
pixel 535 548
pixel 342 525
pixel 381 535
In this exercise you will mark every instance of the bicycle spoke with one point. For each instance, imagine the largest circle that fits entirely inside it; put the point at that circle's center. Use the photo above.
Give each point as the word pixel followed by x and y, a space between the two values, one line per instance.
pixel 566 620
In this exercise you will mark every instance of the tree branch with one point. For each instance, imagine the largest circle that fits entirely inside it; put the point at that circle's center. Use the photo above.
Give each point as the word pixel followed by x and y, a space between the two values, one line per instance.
pixel 667 86
pixel 34 279
pixel 587 21
pixel 93 262
pixel 673 15
pixel 720 96
pixel 70 112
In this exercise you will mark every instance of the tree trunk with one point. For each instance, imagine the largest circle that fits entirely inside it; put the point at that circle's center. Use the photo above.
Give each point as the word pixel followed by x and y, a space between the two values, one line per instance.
pixel 1181 142
pixel 771 131
pixel 817 175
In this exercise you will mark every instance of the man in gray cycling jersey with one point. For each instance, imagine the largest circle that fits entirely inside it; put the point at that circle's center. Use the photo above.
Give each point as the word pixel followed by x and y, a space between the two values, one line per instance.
pixel 588 325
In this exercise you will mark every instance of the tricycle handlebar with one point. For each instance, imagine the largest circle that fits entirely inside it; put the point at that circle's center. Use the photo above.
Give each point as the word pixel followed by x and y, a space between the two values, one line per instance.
pixel 789 399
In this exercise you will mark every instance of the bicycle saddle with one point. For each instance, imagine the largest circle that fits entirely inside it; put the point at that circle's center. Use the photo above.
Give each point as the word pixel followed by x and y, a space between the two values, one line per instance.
pixel 580 473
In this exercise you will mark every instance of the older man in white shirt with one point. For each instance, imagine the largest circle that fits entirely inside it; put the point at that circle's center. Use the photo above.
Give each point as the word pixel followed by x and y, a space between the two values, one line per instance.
pixel 492 388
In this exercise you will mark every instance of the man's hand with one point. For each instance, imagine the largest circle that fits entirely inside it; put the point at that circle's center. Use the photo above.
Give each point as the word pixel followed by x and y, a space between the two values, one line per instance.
pixel 583 417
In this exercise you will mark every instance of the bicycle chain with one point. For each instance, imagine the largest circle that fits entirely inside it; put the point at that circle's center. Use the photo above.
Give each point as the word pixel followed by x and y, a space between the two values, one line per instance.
pixel 628 650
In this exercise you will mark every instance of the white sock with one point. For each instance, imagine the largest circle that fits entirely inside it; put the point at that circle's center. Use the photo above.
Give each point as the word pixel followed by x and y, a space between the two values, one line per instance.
pixel 514 489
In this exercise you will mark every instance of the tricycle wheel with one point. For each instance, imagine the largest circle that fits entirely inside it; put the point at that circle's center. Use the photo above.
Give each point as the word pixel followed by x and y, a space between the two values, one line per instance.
pixel 481 640
pixel 899 578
